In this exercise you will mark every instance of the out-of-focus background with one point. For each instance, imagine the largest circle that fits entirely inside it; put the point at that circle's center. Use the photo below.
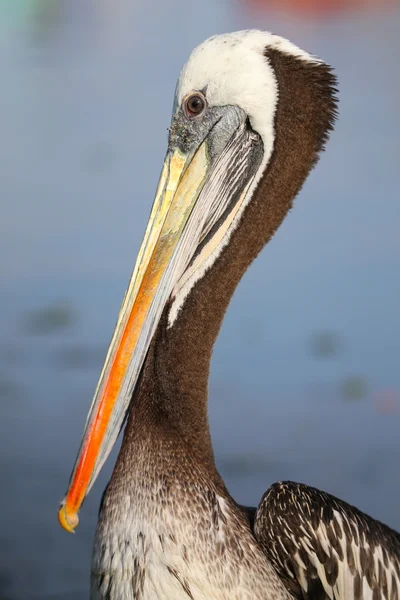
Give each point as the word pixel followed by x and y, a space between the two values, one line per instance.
pixel 305 380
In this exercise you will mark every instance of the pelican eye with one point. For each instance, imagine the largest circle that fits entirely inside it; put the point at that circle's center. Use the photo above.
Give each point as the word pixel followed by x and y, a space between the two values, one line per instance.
pixel 195 104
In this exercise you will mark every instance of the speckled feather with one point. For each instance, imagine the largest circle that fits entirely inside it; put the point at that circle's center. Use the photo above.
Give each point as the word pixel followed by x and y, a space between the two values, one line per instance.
pixel 324 548
pixel 171 531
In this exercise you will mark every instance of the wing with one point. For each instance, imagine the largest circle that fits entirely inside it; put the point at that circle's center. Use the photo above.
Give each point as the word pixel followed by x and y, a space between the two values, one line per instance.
pixel 324 548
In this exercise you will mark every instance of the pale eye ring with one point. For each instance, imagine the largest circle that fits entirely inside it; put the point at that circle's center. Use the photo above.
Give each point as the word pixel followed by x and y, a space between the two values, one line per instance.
pixel 195 104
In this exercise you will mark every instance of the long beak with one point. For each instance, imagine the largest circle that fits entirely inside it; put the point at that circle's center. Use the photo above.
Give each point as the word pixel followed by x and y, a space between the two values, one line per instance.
pixel 181 181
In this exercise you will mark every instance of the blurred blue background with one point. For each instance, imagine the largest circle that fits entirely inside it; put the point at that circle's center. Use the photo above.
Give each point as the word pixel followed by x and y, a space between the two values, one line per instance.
pixel 305 377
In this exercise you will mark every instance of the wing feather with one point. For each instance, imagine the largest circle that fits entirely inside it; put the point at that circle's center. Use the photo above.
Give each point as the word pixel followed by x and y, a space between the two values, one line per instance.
pixel 324 548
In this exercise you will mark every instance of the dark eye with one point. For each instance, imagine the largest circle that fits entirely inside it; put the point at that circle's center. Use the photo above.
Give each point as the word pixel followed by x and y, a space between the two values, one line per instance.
pixel 195 104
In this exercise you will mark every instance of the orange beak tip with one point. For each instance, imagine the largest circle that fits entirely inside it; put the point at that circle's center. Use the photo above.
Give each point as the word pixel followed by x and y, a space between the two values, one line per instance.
pixel 68 521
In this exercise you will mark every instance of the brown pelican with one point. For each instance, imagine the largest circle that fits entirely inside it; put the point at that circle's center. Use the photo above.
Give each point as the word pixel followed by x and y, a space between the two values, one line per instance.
pixel 252 113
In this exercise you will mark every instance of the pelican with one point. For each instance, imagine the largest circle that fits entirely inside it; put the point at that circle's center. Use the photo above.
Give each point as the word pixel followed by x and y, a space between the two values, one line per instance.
pixel 252 113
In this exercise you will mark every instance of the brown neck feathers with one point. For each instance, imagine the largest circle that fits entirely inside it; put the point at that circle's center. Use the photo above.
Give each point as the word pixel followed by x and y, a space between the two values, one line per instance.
pixel 174 381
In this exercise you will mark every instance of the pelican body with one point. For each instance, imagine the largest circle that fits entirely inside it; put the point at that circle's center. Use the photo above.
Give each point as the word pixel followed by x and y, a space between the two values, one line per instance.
pixel 252 113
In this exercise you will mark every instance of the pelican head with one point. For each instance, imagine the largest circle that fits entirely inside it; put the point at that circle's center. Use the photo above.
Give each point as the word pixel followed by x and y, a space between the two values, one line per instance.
pixel 251 113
